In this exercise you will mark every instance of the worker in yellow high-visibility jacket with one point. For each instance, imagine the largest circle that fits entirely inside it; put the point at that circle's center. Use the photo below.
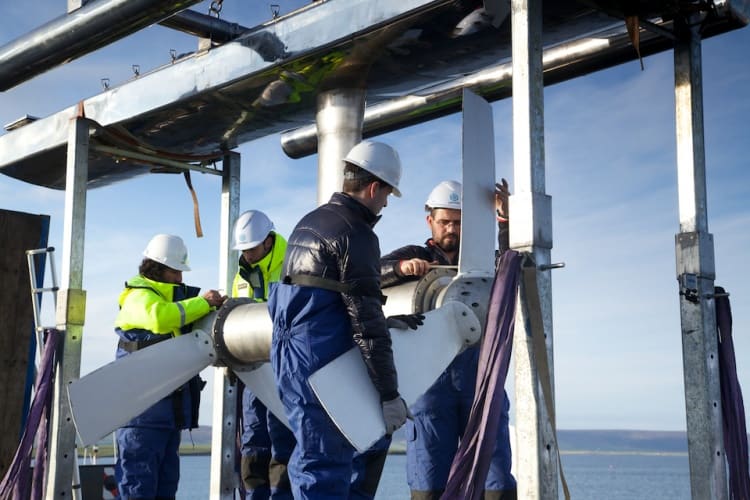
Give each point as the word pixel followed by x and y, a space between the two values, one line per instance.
pixel 156 306
pixel 266 443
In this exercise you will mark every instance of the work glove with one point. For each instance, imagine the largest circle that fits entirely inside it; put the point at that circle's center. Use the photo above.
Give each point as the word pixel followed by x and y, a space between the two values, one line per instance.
pixel 394 414
pixel 404 321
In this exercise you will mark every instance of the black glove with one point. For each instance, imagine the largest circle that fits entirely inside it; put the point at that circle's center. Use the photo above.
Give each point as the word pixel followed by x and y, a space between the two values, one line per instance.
pixel 404 321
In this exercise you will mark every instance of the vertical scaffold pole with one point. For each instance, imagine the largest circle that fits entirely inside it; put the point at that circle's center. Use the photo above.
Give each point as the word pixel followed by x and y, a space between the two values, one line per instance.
pixel 696 274
pixel 224 479
pixel 531 231
pixel 70 314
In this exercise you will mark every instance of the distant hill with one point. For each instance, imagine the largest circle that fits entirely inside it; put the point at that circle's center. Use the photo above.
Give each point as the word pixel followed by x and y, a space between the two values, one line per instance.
pixel 569 440
pixel 622 440
pixel 199 436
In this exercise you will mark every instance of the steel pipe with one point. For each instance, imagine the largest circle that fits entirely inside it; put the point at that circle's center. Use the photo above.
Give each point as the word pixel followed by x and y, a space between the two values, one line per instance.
pixel 561 62
pixel 242 332
pixel 242 328
pixel 339 127
pixel 82 31
pixel 204 26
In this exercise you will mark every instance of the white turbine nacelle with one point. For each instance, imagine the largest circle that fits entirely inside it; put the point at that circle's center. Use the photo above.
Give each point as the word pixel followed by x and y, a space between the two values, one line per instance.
pixel 239 336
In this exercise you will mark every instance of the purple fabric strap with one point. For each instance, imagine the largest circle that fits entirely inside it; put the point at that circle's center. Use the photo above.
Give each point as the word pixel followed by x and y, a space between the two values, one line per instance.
pixel 732 407
pixel 472 460
pixel 17 478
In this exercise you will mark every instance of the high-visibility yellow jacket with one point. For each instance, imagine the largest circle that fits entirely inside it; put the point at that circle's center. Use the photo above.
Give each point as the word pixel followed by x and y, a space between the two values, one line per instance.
pixel 152 311
pixel 150 305
pixel 252 280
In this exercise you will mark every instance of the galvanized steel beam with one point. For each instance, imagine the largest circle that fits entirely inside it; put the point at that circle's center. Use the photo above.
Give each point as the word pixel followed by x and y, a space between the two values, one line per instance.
pixel 70 315
pixel 226 397
pixel 213 101
pixel 696 274
pixel 531 231
pixel 266 80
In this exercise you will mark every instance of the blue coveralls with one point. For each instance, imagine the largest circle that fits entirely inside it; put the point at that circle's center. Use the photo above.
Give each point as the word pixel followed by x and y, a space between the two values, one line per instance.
pixel 323 471
pixel 313 325
pixel 148 462
pixel 440 417
pixel 441 413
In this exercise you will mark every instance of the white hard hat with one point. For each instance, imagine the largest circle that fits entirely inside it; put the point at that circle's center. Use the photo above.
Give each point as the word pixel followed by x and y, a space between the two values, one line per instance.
pixel 168 250
pixel 447 194
pixel 380 160
pixel 251 228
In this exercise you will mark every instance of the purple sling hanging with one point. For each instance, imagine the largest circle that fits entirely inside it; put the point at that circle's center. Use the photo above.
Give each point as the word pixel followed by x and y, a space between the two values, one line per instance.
pixel 732 407
pixel 472 460
pixel 17 478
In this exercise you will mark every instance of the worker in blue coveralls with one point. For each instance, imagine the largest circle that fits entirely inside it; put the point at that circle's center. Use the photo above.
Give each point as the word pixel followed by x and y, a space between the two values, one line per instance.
pixel 329 301
pixel 441 414
pixel 156 306
pixel 266 443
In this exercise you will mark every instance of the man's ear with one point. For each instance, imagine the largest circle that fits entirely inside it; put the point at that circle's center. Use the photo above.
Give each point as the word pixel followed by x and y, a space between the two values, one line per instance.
pixel 372 189
pixel 428 218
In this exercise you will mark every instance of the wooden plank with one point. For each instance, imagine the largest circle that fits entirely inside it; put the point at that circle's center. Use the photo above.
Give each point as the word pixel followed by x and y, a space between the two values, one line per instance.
pixel 18 232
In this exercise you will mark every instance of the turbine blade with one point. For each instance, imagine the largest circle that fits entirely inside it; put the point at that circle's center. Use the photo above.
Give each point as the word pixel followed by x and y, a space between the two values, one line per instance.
pixel 112 395
pixel 263 384
pixel 477 251
pixel 420 357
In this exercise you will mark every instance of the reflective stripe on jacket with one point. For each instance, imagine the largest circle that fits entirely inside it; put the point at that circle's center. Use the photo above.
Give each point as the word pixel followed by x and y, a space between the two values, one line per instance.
pixel 149 305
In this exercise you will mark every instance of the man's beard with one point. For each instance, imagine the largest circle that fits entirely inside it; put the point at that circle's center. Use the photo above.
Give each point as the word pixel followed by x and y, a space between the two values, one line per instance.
pixel 449 242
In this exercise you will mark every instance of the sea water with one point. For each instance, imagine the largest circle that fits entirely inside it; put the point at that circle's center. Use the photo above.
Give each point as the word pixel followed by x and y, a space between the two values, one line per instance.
pixel 611 476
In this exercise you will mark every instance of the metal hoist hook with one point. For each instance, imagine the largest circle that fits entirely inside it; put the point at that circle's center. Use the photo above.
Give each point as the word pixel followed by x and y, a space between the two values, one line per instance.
pixel 215 8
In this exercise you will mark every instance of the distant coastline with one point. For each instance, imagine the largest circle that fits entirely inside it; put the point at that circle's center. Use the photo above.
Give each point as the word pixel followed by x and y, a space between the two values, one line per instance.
pixel 570 442
pixel 622 441
pixel 640 453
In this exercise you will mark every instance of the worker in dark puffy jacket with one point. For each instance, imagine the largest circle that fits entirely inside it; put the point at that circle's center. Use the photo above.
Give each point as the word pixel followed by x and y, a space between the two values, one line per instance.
pixel 329 300
pixel 441 414
pixel 156 306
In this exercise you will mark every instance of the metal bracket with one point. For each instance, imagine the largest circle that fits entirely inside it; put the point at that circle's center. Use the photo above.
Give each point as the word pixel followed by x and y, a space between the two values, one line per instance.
pixel 689 287
pixel 555 265
pixel 71 307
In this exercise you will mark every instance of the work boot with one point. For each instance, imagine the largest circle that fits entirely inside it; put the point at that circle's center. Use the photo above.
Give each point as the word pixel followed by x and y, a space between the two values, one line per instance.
pixel 500 495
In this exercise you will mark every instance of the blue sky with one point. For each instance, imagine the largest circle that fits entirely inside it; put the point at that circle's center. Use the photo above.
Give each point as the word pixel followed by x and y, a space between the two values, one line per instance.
pixel 611 173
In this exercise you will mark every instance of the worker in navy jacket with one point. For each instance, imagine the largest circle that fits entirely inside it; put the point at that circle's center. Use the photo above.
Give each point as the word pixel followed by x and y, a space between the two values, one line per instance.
pixel 329 301
pixel 441 414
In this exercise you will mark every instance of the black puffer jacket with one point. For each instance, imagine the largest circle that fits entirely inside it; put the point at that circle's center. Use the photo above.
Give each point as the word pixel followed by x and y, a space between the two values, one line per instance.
pixel 390 276
pixel 336 242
